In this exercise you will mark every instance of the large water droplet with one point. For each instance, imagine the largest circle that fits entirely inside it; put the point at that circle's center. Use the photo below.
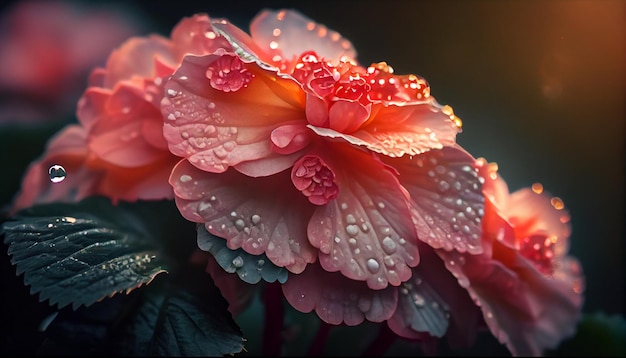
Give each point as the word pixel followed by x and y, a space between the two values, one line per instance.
pixel 352 230
pixel 388 245
pixel 418 300
pixel 237 262
pixel 57 173
pixel 372 265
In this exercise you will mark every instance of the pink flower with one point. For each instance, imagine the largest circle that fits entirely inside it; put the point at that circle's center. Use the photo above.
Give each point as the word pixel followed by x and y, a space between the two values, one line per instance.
pixel 293 150
pixel 118 149
pixel 47 49
pixel 528 288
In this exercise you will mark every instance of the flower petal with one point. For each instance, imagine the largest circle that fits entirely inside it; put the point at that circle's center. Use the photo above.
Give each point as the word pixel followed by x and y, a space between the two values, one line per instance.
pixel 524 309
pixel 336 299
pixel 402 130
pixel 420 310
pixel 142 51
pixel 260 215
pixel 288 34
pixel 116 136
pixel 366 232
pixel 539 213
pixel 250 268
pixel 446 197
pixel 216 129
pixel 195 34
pixel 431 303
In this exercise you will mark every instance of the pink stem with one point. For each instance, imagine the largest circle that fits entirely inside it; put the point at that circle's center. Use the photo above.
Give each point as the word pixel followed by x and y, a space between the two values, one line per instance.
pixel 382 342
pixel 274 317
pixel 316 349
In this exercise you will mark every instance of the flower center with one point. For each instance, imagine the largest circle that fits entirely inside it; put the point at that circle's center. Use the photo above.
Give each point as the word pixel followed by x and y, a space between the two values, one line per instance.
pixel 539 250
pixel 228 74
pixel 316 75
pixel 314 179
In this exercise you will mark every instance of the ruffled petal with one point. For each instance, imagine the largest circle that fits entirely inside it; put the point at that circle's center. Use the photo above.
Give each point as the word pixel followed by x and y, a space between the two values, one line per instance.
pixel 250 268
pixel 532 212
pixel 336 299
pixel 420 311
pixel 260 215
pixel 195 35
pixel 446 197
pixel 366 232
pixel 524 309
pixel 116 137
pixel 135 57
pixel 287 34
pixel 402 130
pixel 431 303
pixel 147 182
pixel 215 129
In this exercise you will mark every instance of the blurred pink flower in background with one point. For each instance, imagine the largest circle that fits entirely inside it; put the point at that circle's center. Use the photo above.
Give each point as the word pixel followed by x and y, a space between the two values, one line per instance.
pixel 48 48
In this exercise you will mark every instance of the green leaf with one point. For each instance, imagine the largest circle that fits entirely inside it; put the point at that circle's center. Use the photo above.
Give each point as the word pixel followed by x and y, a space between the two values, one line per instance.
pixel 80 253
pixel 181 314
pixel 185 316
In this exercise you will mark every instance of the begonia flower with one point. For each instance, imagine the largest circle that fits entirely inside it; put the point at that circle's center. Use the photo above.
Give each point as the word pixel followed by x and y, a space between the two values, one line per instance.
pixel 293 150
pixel 339 186
pixel 118 149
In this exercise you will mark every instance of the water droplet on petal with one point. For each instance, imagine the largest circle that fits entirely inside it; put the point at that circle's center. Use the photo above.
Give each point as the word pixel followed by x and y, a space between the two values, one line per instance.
pixel 57 173
pixel 237 262
pixel 372 265
pixel 418 300
pixel 389 246
pixel 352 230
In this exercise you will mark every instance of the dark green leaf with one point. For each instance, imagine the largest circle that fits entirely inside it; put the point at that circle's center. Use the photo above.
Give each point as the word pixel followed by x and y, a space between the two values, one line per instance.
pixel 250 268
pixel 80 253
pixel 186 316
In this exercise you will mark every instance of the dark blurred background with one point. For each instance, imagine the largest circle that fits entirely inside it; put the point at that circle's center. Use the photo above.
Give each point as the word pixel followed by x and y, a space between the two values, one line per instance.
pixel 540 87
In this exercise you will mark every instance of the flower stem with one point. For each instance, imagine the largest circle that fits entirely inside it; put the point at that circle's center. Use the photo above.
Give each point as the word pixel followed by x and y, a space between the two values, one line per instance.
pixel 274 317
pixel 381 343
pixel 316 349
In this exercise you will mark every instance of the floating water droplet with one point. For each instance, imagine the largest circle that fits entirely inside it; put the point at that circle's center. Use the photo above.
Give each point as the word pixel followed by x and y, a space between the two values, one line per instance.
pixel 57 173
